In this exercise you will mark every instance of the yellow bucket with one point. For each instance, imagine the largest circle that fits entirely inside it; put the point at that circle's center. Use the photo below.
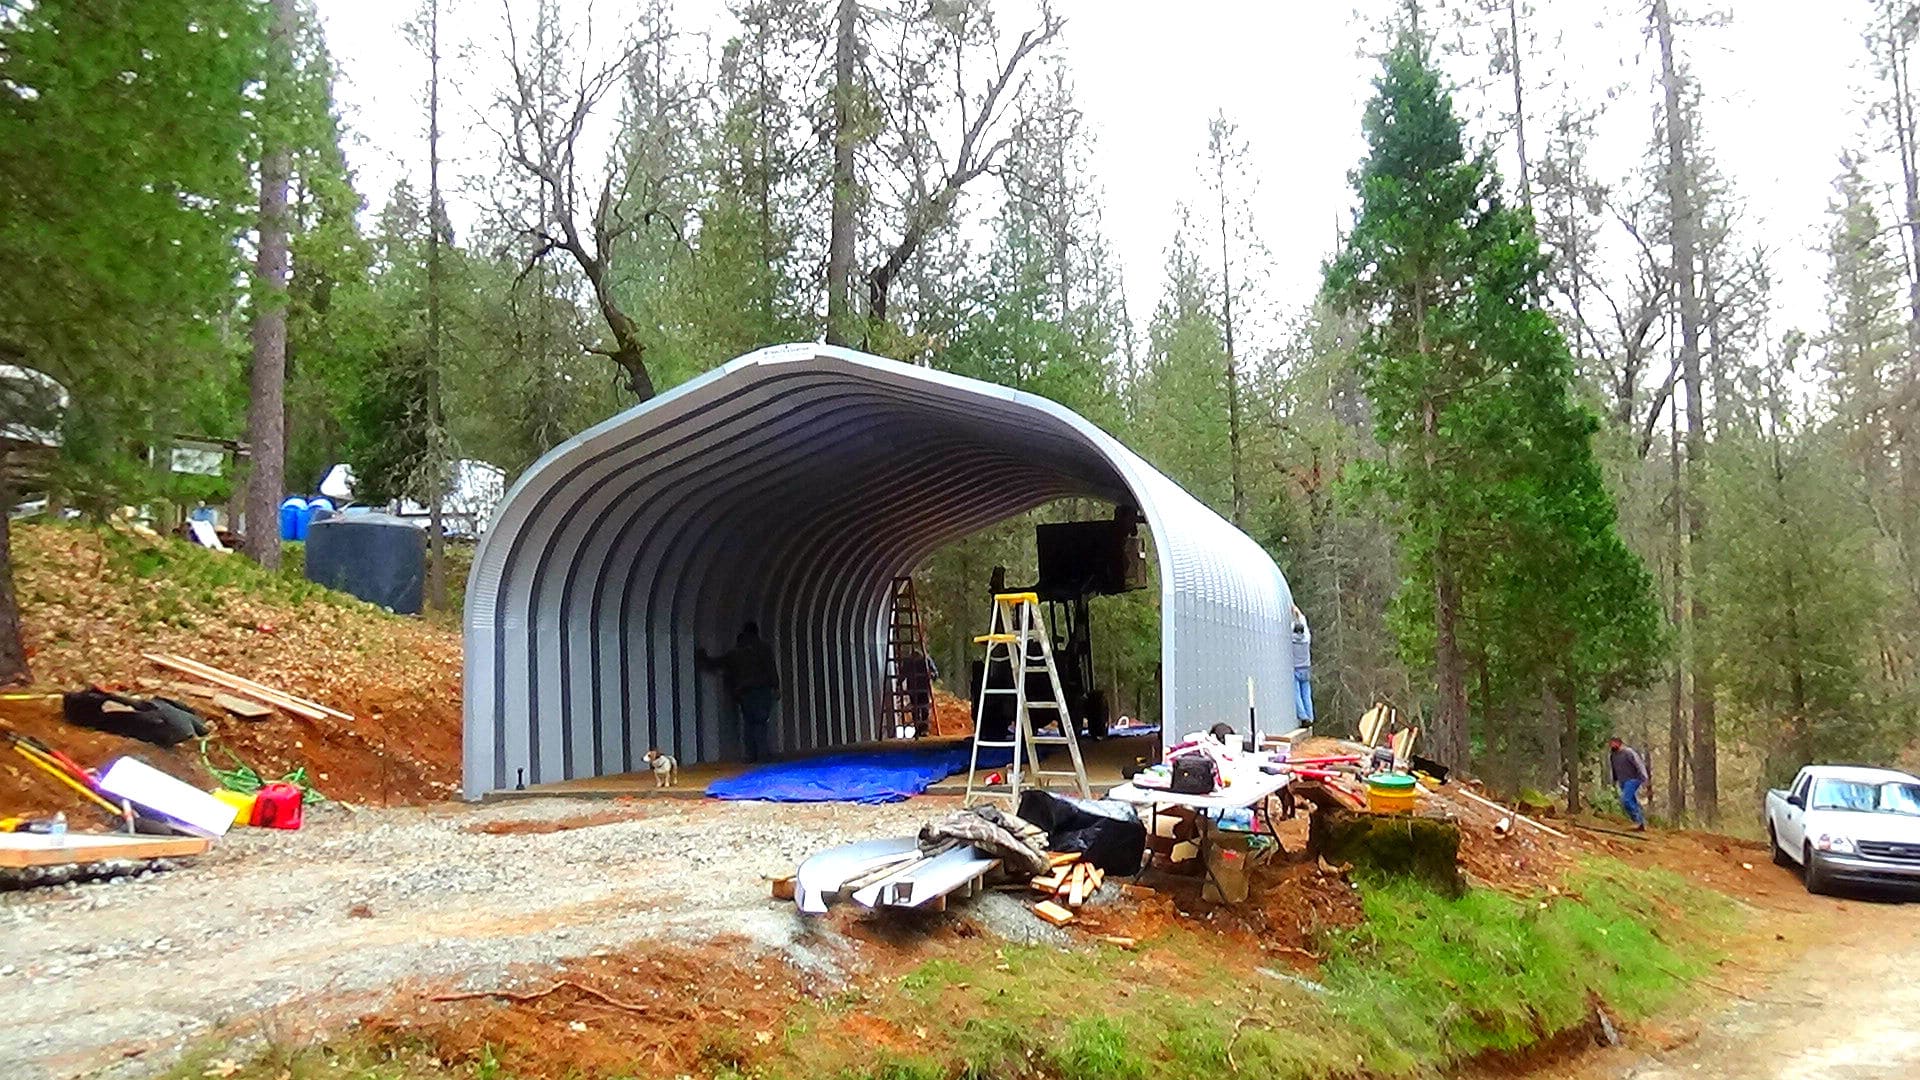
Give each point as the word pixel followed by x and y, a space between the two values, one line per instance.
pixel 1390 794
pixel 241 801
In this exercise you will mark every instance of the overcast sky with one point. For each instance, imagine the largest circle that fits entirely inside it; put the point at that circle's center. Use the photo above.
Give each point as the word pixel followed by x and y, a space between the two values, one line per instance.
pixel 1785 83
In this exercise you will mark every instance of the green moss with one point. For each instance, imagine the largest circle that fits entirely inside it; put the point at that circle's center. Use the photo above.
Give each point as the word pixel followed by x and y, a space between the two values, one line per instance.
pixel 1392 846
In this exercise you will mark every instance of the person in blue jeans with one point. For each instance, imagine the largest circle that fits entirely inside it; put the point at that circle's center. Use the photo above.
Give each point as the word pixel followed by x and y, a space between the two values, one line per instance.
pixel 1302 669
pixel 1629 771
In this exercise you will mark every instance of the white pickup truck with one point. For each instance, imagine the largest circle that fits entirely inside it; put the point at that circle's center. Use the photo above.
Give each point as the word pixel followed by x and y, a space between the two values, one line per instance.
pixel 1848 823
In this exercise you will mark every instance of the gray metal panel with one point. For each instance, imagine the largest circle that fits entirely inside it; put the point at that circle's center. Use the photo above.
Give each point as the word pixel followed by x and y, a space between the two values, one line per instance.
pixel 790 487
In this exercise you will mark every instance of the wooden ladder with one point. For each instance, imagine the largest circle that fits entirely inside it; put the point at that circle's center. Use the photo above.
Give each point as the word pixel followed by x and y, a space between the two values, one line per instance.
pixel 1017 640
pixel 906 637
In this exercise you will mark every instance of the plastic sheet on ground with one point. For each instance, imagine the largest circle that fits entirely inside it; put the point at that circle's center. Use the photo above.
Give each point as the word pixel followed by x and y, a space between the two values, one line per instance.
pixel 862 776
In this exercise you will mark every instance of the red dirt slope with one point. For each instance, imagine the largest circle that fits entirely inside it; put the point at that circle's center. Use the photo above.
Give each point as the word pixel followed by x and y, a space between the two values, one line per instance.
pixel 93 601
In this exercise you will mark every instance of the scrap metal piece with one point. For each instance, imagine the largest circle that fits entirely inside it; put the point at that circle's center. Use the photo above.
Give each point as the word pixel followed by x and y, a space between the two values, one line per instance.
pixel 927 880
pixel 823 874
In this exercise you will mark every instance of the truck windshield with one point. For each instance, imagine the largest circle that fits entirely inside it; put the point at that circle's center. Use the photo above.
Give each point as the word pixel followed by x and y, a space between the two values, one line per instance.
pixel 1867 798
pixel 1900 798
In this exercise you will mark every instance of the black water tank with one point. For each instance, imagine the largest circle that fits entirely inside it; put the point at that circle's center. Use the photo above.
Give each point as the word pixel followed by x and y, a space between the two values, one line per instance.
pixel 377 557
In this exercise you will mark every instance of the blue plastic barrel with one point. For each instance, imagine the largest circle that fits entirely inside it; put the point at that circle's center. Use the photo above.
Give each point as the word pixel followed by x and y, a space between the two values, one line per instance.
pixel 293 518
pixel 319 508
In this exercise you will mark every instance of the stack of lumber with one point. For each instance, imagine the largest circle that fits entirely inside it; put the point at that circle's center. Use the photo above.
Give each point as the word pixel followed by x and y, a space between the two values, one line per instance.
pixel 1067 881
pixel 249 692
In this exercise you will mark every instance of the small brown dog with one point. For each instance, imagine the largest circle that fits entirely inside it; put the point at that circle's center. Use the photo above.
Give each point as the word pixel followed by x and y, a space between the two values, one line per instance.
pixel 666 771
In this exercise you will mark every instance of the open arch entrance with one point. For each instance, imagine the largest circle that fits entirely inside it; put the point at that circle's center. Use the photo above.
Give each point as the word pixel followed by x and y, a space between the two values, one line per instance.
pixel 789 487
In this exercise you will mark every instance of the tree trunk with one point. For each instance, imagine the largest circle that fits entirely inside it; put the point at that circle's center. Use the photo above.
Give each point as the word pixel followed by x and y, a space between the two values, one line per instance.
pixel 13 647
pixel 629 352
pixel 1450 723
pixel 1519 104
pixel 1904 139
pixel 1226 322
pixel 1570 741
pixel 1552 739
pixel 840 231
pixel 1677 754
pixel 436 435
pixel 266 404
pixel 1682 202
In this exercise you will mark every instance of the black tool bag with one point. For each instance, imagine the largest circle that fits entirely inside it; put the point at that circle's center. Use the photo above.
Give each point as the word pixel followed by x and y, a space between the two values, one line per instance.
pixel 1192 775
pixel 160 721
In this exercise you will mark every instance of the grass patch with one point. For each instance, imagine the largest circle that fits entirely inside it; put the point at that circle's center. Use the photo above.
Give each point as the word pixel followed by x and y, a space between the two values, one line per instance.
pixel 185 583
pixel 1430 981
pixel 1424 985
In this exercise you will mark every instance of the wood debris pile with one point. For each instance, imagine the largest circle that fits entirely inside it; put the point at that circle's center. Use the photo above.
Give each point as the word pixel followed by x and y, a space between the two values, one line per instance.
pixel 1069 882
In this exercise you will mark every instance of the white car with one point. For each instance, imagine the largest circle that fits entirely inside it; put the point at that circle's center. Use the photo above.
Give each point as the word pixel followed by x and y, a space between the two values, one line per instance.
pixel 1848 823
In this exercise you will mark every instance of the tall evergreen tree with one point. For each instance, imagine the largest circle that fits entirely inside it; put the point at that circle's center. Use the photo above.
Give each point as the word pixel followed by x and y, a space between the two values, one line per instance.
pixel 1793 580
pixel 267 299
pixel 124 132
pixel 1501 511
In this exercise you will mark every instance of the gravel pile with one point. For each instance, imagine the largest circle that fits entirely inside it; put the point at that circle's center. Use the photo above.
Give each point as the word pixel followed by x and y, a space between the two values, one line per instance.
pixel 332 917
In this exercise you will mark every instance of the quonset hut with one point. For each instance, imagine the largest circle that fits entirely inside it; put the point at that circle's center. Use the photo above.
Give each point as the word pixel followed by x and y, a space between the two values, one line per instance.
pixel 790 487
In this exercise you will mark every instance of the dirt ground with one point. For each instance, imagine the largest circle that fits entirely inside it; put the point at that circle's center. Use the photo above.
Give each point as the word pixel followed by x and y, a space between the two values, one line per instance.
pixel 306 930
pixel 647 922
pixel 1831 997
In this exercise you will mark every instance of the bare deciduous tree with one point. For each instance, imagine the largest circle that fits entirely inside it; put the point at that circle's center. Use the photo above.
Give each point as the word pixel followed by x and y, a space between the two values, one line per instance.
pixel 943 130
pixel 585 218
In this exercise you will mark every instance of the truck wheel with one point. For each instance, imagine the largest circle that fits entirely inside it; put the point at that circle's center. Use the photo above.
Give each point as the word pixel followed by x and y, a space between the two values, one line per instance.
pixel 1779 854
pixel 1816 876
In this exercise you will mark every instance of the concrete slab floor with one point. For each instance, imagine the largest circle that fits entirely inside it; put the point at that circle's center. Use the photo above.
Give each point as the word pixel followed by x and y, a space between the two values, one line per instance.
pixel 1104 759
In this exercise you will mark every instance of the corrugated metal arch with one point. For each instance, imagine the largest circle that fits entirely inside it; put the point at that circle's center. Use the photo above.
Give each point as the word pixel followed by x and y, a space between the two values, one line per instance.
pixel 790 487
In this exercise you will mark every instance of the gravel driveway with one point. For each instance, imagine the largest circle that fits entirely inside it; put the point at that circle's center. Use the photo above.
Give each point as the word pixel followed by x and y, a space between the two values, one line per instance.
pixel 118 977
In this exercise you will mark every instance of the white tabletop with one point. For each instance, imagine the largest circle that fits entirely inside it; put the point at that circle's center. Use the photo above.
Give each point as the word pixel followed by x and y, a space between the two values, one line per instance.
pixel 1247 789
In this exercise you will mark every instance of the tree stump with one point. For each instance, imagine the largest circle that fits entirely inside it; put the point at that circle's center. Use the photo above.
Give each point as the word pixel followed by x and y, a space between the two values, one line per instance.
pixel 1391 845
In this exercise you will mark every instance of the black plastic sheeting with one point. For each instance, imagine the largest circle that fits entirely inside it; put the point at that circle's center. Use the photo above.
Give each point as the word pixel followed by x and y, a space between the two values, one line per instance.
pixel 376 557
pixel 1107 834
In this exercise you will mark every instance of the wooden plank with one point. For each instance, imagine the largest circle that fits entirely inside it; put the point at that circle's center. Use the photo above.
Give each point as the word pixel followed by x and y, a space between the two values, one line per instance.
pixel 271 695
pixel 242 708
pixel 38 849
pixel 1094 877
pixel 191 690
pixel 1518 816
pixel 1061 858
pixel 1077 887
pixel 1053 913
pixel 1118 942
pixel 783 887
pixel 251 689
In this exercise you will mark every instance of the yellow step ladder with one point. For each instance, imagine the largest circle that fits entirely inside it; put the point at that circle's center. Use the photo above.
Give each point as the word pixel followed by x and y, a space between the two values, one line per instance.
pixel 1017 640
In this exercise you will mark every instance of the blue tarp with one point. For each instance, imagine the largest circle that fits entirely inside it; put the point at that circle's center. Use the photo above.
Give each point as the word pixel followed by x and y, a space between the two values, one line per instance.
pixel 864 776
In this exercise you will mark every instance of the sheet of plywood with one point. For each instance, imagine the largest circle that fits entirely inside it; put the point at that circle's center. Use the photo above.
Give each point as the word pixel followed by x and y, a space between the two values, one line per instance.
pixel 39 849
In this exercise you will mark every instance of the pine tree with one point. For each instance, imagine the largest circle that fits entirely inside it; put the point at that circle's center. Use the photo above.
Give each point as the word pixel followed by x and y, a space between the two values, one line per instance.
pixel 119 264
pixel 1794 585
pixel 1180 398
pixel 1515 571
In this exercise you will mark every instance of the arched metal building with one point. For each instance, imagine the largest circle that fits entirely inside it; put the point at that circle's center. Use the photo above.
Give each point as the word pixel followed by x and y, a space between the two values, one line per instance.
pixel 790 487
